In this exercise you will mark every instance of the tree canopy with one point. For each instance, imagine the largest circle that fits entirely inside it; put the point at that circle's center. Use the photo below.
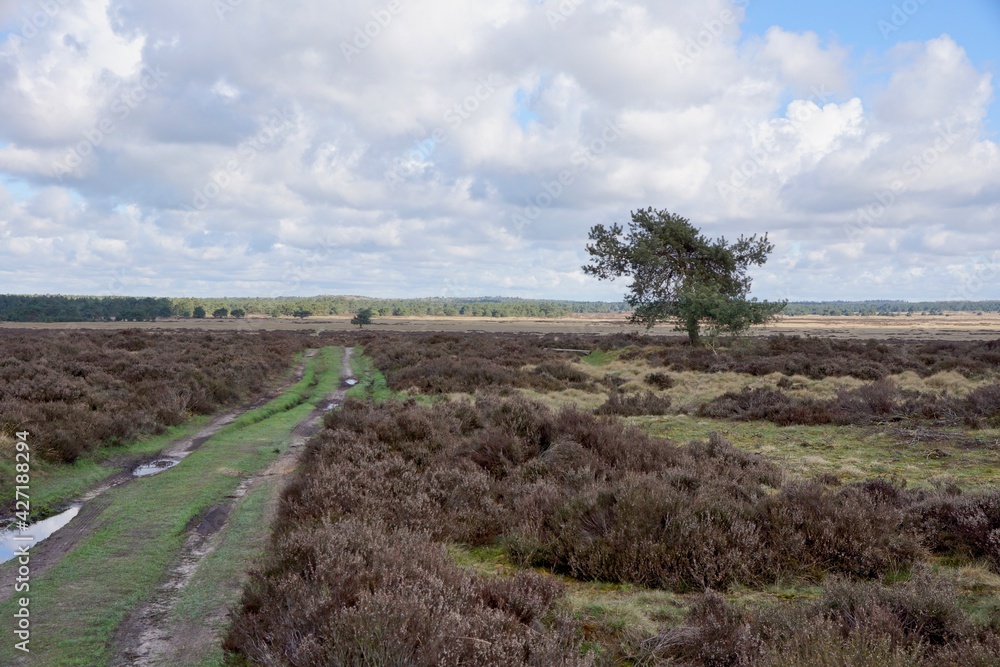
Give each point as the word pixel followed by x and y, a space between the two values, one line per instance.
pixel 363 317
pixel 680 275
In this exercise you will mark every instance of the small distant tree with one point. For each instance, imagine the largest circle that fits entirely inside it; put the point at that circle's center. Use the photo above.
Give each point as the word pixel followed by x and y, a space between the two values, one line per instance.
pixel 199 312
pixel 680 275
pixel 363 317
pixel 302 313
pixel 238 313
pixel 220 312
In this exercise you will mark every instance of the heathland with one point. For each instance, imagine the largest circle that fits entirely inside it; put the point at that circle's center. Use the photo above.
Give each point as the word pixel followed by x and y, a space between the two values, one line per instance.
pixel 531 498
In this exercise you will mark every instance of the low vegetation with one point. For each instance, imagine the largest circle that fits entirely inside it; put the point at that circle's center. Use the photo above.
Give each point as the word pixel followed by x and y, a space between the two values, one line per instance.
pixel 879 401
pixel 575 499
pixel 919 623
pixel 593 499
pixel 818 358
pixel 77 390
pixel 465 363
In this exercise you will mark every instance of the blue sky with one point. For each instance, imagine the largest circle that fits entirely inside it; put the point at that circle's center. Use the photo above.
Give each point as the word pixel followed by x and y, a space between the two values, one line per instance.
pixel 462 148
pixel 871 29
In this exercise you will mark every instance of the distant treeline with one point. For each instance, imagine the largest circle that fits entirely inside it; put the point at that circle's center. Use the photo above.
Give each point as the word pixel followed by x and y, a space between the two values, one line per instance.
pixel 889 308
pixel 16 308
pixel 49 308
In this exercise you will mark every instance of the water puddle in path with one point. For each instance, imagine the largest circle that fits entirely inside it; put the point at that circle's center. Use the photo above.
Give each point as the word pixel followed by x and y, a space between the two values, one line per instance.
pixel 153 467
pixel 12 539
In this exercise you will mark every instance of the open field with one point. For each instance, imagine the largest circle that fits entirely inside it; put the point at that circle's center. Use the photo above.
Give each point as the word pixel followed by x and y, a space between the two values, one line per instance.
pixel 951 326
pixel 609 537
pixel 489 499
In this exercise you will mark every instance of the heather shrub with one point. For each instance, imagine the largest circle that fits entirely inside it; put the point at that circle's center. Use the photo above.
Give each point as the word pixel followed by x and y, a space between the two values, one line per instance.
pixel 357 567
pixel 916 623
pixel 470 362
pixel 660 380
pixel 632 405
pixel 818 358
pixel 562 375
pixel 592 497
pixel 878 401
pixel 357 592
pixel 78 390
pixel 964 525
pixel 982 406
pixel 773 405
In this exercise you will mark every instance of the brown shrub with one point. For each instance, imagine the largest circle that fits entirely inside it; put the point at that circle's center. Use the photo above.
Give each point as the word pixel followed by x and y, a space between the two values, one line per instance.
pixel 818 358
pixel 356 565
pixel 358 592
pixel 964 525
pixel 591 497
pixel 660 380
pixel 447 363
pixel 632 405
pixel 77 390
pixel 918 623
pixel 878 401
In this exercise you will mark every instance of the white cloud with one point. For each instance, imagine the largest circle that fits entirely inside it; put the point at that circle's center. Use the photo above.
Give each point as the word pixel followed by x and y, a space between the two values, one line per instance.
pixel 409 167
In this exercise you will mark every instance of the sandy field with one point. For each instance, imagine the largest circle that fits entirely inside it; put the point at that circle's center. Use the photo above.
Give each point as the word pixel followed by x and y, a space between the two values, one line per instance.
pixel 953 326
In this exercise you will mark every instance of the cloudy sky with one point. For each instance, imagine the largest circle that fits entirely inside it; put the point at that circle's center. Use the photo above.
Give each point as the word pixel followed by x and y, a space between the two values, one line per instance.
pixel 458 148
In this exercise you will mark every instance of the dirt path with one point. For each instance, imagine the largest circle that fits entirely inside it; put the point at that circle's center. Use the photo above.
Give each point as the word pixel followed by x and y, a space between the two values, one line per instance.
pixel 149 636
pixel 49 552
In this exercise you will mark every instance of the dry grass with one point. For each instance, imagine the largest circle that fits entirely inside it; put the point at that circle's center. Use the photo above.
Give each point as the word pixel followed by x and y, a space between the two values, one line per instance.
pixel 625 523
pixel 957 326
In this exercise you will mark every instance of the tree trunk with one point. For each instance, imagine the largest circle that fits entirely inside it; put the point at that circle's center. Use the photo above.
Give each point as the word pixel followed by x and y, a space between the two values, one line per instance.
pixel 691 324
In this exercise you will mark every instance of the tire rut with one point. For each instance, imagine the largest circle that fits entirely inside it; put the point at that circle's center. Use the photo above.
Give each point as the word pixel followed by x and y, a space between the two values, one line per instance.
pixel 148 636
pixel 46 554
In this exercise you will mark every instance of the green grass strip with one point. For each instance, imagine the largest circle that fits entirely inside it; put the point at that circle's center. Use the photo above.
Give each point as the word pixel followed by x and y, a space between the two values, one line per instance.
pixel 76 606
pixel 54 484
pixel 371 383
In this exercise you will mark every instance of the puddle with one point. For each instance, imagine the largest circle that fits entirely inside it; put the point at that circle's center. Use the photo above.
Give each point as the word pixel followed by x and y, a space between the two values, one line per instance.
pixel 331 406
pixel 11 538
pixel 153 467
pixel 350 382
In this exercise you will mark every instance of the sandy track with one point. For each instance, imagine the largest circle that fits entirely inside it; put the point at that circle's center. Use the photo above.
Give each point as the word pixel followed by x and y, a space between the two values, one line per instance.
pixel 49 552
pixel 954 326
pixel 148 636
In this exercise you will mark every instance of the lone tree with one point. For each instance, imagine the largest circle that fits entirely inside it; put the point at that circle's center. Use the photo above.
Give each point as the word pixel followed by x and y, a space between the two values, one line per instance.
pixel 238 313
pixel 680 275
pixel 302 313
pixel 221 312
pixel 199 312
pixel 363 317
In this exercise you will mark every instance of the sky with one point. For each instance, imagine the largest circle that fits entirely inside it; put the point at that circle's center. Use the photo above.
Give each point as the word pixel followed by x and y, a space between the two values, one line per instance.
pixel 413 148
